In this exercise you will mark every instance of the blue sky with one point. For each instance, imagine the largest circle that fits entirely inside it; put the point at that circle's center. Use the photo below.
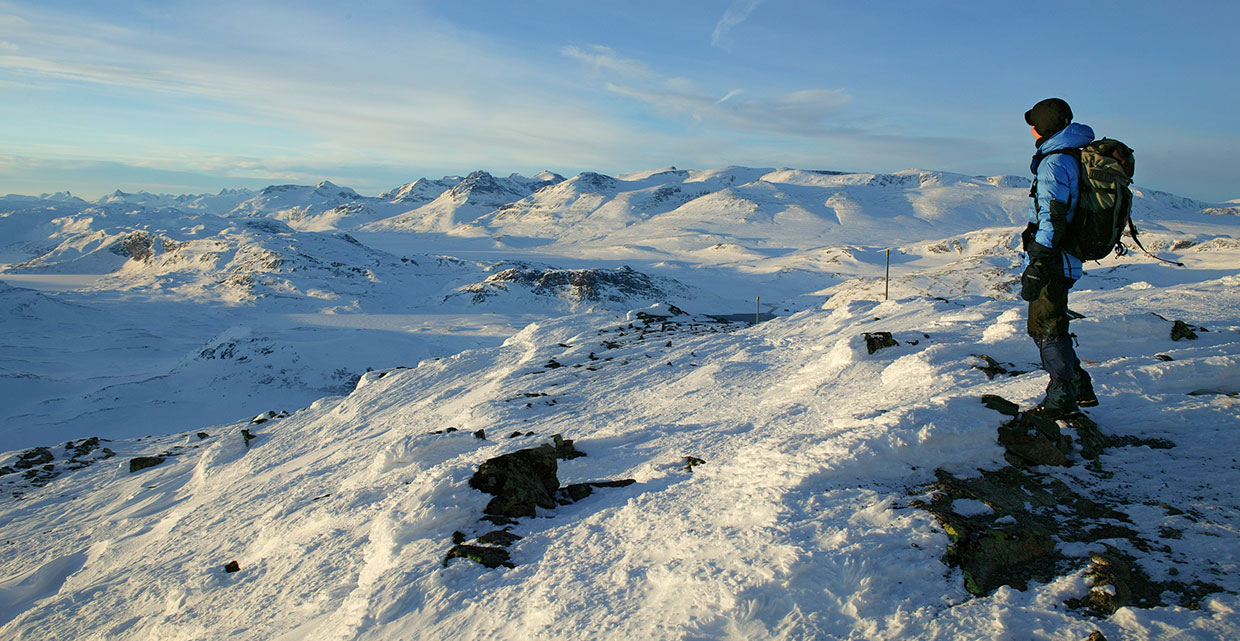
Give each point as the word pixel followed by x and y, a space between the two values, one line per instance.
pixel 176 97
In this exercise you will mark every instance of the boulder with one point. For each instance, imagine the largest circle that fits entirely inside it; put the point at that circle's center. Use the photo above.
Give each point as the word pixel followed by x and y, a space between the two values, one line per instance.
pixel 143 462
pixel 875 341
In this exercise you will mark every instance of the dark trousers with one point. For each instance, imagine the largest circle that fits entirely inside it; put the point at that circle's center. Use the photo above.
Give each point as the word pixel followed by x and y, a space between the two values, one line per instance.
pixel 1048 326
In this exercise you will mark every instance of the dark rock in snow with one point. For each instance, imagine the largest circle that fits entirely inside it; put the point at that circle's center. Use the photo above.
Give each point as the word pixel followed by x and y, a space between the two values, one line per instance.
pixel 875 341
pixel 143 462
pixel 1033 440
pixel 232 567
pixel 247 436
pixel 487 556
pixel 502 538
pixel 520 481
pixel 1182 330
pixel 622 284
pixel 34 458
pixel 577 491
pixel 994 368
pixel 202 435
pixel 481 435
pixel 692 462
pixel 1000 404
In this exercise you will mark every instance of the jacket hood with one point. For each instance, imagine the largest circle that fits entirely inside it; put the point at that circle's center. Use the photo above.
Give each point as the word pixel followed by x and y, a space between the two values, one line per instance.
pixel 1074 135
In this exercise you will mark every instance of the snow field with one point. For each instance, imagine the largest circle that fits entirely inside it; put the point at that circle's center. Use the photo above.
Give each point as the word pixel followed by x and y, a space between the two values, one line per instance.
pixel 796 526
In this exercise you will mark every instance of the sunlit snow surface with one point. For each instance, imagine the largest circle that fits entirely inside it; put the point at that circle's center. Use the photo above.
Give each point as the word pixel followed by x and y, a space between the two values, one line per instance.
pixel 797 524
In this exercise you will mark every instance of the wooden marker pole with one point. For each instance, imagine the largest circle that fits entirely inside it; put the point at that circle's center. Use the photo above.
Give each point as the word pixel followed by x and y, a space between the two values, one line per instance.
pixel 887 279
pixel 757 311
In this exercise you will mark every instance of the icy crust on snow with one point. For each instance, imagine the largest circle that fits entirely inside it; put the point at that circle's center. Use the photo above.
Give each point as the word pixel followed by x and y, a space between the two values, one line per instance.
pixel 796 523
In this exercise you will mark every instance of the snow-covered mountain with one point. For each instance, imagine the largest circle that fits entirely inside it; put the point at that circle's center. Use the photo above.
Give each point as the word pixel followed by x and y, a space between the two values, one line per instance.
pixel 271 415
pixel 462 202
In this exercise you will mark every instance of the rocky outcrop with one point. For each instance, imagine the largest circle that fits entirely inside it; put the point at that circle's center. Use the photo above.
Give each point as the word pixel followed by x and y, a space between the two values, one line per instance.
pixel 37 466
pixel 622 285
pixel 1004 526
pixel 521 482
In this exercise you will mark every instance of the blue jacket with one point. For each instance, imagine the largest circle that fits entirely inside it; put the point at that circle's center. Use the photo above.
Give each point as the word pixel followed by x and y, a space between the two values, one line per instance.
pixel 1058 176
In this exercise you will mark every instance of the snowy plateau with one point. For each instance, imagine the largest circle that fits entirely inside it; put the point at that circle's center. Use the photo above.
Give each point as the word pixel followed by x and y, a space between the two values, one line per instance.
pixel 287 414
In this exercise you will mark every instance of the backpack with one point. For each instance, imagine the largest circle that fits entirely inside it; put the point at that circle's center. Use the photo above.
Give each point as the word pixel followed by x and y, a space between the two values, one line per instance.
pixel 1104 207
pixel 1104 203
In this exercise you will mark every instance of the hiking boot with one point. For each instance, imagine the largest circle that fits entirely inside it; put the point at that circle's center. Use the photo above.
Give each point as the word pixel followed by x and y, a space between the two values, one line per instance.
pixel 1085 397
pixel 1053 413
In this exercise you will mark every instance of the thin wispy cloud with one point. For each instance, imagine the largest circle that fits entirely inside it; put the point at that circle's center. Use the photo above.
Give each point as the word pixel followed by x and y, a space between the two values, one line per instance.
pixel 604 59
pixel 734 16
pixel 808 113
pixel 335 105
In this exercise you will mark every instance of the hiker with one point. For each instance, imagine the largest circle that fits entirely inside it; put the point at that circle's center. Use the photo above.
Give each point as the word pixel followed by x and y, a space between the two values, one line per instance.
pixel 1050 270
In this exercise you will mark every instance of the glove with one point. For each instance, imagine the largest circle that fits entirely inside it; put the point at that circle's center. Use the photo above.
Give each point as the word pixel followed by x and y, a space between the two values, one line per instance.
pixel 1041 253
pixel 1034 280
pixel 1026 237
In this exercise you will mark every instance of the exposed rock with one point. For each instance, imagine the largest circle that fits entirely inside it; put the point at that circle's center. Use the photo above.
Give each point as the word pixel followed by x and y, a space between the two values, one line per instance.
pixel 490 557
pixel 1013 544
pixel 1000 404
pixel 501 538
pixel 1112 578
pixel 523 480
pixel 1093 441
pixel 994 368
pixel 1015 541
pixel 232 567
pixel 692 462
pixel 622 284
pixel 577 491
pixel 1182 330
pixel 136 245
pixel 247 436
pixel 83 448
pixel 143 462
pixel 875 341
pixel 1032 440
pixel 267 416
pixel 34 458
pixel 1128 440
pixel 202 435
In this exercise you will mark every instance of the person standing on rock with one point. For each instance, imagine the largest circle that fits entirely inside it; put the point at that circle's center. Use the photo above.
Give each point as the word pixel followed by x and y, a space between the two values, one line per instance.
pixel 1050 270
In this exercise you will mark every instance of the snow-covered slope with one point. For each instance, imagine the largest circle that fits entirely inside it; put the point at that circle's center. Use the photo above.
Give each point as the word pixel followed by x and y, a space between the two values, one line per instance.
pixel 776 468
pixel 466 200
pixel 794 523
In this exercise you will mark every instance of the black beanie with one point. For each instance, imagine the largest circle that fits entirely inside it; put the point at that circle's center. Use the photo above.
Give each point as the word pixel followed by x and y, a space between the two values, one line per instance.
pixel 1049 116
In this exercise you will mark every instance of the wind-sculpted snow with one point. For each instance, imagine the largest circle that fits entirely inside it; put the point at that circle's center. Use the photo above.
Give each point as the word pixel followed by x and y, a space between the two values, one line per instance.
pixel 793 520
